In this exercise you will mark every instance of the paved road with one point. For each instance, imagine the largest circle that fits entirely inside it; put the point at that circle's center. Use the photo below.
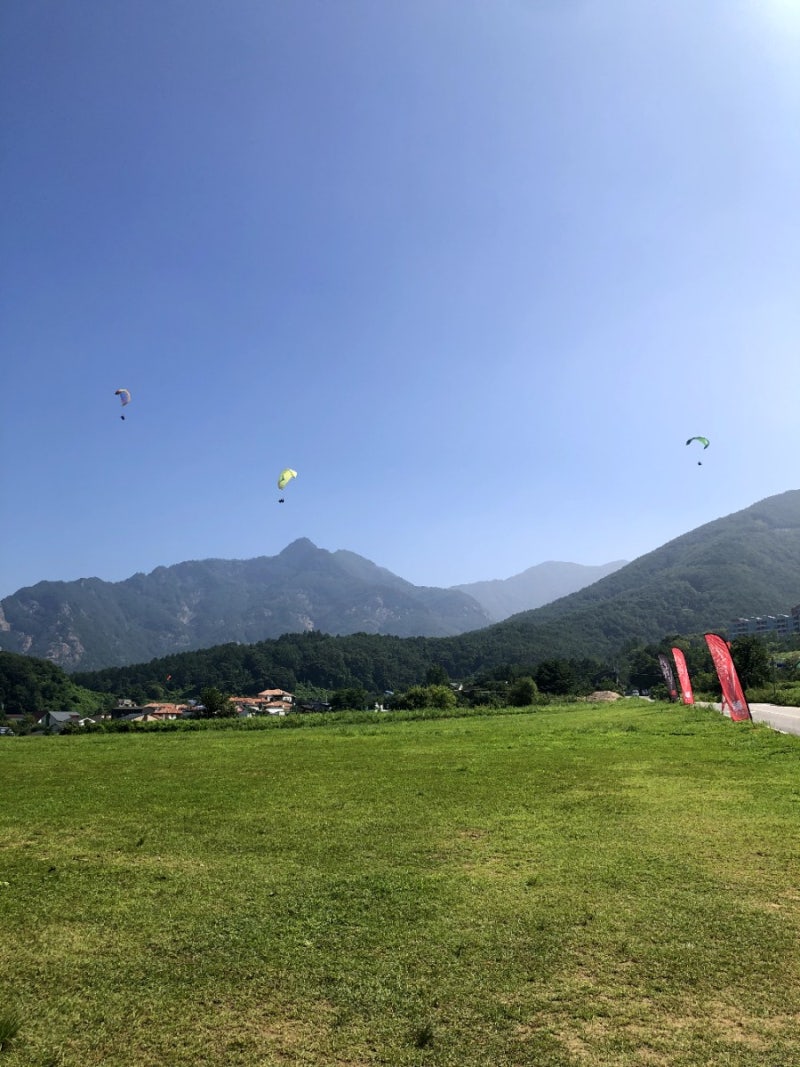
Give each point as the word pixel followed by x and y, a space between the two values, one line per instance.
pixel 785 720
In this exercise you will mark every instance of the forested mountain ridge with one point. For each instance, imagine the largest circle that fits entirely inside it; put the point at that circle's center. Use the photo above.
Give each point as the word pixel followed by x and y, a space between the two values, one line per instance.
pixel 744 564
pixel 747 563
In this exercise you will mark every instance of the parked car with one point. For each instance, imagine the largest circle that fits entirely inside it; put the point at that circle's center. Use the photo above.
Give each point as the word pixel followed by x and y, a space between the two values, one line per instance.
pixel 6 731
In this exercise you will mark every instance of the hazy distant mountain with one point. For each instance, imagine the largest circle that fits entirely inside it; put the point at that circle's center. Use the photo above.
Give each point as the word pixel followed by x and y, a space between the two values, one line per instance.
pixel 90 623
pixel 534 587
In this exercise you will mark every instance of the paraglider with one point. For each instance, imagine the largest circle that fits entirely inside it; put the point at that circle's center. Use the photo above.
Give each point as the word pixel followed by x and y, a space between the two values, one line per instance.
pixel 284 479
pixel 125 398
pixel 704 441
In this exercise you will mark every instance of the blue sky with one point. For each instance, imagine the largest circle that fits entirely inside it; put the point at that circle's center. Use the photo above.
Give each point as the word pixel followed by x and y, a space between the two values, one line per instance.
pixel 475 270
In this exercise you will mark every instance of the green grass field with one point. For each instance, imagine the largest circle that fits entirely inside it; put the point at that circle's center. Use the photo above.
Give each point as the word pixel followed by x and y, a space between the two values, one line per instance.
pixel 567 887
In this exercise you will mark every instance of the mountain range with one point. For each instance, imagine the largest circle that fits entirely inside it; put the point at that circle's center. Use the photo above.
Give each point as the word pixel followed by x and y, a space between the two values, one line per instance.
pixel 745 564
pixel 89 623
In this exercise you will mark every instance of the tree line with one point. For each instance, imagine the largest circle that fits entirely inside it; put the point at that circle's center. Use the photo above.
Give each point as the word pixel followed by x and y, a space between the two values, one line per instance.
pixel 366 669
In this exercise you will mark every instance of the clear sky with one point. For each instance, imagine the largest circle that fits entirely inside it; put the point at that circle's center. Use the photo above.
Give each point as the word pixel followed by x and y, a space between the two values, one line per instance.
pixel 477 270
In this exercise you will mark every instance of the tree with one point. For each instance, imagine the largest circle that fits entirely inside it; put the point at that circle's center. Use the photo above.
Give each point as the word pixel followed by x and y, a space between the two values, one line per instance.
pixel 352 699
pixel 440 696
pixel 752 661
pixel 591 674
pixel 643 669
pixel 215 704
pixel 554 676
pixel 522 693
pixel 413 698
pixel 486 693
pixel 426 696
pixel 436 675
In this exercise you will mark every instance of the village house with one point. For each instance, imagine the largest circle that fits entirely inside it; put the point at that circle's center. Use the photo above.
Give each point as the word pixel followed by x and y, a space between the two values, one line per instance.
pixel 267 702
pixel 55 721
pixel 123 709
pixel 160 712
pixel 277 701
pixel 153 711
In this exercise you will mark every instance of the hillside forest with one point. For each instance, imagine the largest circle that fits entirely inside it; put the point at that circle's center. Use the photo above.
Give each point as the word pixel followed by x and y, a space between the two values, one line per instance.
pixel 362 670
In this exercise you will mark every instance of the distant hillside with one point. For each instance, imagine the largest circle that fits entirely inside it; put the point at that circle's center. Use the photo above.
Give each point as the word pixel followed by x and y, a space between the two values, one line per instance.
pixel 747 563
pixel 91 624
pixel 29 686
pixel 534 587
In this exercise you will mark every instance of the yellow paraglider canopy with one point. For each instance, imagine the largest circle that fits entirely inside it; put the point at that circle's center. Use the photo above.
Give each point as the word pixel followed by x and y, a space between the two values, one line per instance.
pixel 284 479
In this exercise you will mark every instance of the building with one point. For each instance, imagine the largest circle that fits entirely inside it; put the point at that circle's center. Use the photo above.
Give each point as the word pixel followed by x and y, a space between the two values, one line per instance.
pixel 55 721
pixel 276 701
pixel 762 625
pixel 161 712
pixel 267 702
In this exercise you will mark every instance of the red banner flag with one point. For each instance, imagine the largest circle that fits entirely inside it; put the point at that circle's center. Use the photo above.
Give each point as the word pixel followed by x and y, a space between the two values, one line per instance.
pixel 687 696
pixel 732 692
pixel 669 677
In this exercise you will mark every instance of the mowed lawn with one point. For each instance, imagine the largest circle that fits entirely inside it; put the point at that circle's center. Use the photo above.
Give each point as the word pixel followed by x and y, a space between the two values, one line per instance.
pixel 615 885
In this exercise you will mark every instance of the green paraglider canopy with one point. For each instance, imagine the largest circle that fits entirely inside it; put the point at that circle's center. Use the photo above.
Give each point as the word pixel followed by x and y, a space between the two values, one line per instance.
pixel 704 441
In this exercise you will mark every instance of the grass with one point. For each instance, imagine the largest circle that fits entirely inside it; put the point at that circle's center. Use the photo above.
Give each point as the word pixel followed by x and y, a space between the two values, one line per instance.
pixel 783 694
pixel 571 887
pixel 9 1025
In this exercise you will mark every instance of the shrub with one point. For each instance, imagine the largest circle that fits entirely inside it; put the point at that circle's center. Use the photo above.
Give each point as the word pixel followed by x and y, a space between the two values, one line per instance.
pixel 522 693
